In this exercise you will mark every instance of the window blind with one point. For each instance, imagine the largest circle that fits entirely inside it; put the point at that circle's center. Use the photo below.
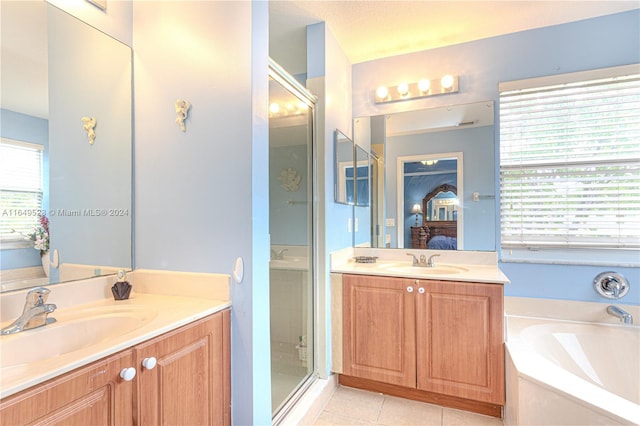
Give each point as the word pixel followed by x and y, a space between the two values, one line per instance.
pixel 570 164
pixel 20 188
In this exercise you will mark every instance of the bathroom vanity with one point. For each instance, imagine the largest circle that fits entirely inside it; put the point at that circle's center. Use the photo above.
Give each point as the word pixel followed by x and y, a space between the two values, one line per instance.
pixel 170 363
pixel 430 334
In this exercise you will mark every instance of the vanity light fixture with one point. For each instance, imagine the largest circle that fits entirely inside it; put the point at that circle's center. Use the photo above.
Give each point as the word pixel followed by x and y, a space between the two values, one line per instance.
pixel 429 162
pixel 423 88
pixel 288 109
pixel 416 209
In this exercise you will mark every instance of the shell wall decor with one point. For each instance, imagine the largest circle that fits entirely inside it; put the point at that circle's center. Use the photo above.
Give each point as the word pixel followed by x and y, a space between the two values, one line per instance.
pixel 289 180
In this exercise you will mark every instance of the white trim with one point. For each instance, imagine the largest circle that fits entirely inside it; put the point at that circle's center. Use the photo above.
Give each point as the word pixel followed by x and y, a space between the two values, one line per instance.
pixel 400 192
pixel 586 257
pixel 23 144
pixel 573 77
pixel 15 244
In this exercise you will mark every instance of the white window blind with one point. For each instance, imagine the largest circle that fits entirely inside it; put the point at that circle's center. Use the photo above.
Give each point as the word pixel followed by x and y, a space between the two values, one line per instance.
pixel 20 188
pixel 570 163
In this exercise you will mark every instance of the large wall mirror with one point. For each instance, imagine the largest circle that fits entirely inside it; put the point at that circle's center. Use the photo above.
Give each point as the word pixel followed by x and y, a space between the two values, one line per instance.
pixel 417 152
pixel 67 96
pixel 344 178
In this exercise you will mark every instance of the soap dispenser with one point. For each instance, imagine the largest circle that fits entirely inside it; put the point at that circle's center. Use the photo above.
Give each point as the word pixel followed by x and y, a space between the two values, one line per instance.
pixel 121 289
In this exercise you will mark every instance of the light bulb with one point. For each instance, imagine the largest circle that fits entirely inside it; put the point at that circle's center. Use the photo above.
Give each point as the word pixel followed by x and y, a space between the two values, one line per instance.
pixel 274 108
pixel 382 92
pixel 403 89
pixel 447 82
pixel 424 85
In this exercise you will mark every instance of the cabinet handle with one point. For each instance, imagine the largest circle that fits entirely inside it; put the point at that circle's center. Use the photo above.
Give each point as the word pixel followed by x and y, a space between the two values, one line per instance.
pixel 149 363
pixel 421 290
pixel 410 289
pixel 128 374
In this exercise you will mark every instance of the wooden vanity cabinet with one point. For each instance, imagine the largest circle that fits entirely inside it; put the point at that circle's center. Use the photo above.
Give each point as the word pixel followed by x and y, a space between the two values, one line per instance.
pixel 91 395
pixel 188 385
pixel 379 340
pixel 460 336
pixel 432 337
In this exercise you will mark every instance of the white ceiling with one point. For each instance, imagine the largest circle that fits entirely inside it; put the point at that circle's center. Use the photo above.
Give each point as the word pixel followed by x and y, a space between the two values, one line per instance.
pixel 371 29
pixel 365 29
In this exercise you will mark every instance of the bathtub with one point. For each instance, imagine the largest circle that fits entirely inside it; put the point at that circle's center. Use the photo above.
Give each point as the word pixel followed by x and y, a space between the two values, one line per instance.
pixel 562 372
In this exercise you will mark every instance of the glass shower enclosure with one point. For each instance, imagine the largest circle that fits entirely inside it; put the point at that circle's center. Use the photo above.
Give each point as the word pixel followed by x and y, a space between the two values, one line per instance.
pixel 291 275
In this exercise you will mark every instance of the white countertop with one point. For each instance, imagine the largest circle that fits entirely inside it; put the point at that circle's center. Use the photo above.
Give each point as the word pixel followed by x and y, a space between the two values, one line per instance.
pixel 480 267
pixel 474 273
pixel 163 312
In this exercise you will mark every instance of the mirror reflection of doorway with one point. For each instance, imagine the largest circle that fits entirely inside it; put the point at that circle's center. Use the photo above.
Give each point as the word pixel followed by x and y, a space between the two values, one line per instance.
pixel 441 211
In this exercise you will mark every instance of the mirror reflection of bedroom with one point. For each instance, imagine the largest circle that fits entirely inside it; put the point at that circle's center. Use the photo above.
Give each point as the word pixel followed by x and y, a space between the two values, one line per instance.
pixel 431 194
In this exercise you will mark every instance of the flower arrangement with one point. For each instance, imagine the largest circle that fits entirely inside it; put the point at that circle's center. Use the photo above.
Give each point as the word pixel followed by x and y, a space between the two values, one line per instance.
pixel 40 235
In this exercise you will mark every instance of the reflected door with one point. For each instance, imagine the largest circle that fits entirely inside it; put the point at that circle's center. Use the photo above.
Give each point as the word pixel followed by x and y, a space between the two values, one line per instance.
pixel 291 229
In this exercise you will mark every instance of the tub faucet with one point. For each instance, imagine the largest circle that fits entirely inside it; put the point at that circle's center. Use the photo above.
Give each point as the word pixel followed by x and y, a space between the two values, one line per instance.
pixel 624 316
pixel 34 313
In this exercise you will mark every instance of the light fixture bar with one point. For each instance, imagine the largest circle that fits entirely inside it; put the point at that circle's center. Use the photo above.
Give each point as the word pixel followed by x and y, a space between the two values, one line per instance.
pixel 421 89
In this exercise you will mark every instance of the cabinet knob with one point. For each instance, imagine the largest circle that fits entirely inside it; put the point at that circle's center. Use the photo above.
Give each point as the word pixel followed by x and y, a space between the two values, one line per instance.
pixel 128 374
pixel 149 363
pixel 421 290
pixel 410 289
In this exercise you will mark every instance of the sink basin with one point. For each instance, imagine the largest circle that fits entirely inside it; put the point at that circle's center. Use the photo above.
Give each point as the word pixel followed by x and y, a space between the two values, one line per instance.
pixel 289 263
pixel 420 270
pixel 86 328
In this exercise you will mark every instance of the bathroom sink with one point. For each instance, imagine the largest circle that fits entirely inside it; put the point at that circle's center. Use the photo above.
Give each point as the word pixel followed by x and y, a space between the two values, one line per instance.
pixel 86 328
pixel 289 263
pixel 421 270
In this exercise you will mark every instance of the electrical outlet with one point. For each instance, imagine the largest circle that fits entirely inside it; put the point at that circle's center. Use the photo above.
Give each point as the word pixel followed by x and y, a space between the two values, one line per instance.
pixel 390 222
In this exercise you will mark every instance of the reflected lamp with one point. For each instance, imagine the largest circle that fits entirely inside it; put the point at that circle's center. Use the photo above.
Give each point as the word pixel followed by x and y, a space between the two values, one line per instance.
pixel 416 209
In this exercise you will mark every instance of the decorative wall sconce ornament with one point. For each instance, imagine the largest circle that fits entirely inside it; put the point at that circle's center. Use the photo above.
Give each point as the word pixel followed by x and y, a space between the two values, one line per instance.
pixel 290 180
pixel 182 109
pixel 405 91
pixel 89 127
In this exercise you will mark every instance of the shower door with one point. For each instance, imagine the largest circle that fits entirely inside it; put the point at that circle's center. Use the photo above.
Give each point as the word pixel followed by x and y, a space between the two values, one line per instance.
pixel 291 228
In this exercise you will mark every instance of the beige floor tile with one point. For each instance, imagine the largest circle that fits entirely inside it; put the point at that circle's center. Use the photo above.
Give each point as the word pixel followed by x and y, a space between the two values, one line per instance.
pixel 327 418
pixel 451 417
pixel 355 403
pixel 399 411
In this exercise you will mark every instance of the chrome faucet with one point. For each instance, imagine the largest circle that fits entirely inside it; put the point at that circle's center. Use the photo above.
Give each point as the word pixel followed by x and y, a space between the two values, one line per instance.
pixel 617 312
pixel 423 260
pixel 431 263
pixel 34 313
pixel 277 255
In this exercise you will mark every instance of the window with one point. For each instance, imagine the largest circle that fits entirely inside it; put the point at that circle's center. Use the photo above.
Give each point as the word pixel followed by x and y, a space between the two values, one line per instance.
pixel 20 188
pixel 570 165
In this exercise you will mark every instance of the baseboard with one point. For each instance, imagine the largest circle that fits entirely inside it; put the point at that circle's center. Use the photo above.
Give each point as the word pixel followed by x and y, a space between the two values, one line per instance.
pixel 423 396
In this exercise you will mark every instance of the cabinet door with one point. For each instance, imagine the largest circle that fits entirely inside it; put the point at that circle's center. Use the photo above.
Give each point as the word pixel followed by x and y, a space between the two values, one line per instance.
pixel 379 329
pixel 460 345
pixel 91 395
pixel 188 384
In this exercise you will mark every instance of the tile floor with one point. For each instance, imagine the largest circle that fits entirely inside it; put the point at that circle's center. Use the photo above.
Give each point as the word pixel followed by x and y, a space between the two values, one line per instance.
pixel 350 406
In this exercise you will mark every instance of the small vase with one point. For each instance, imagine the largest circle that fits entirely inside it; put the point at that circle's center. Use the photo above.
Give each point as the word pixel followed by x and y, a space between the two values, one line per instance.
pixel 45 263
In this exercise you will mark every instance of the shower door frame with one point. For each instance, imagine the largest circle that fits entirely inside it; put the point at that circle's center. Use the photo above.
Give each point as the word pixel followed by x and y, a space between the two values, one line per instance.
pixel 281 76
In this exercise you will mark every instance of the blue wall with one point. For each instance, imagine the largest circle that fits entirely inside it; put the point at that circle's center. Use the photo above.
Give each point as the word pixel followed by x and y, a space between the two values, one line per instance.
pixel 602 42
pixel 26 128
pixel 477 162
